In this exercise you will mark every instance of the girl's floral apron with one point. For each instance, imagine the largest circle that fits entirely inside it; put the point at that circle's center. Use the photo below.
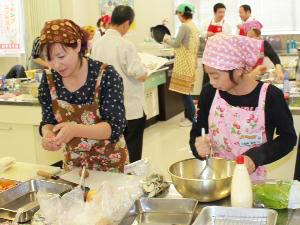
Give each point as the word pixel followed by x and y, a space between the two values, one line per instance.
pixel 235 130
pixel 95 154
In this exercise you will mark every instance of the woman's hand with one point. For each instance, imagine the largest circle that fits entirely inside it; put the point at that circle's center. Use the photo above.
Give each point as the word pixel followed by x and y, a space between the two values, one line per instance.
pixel 258 71
pixel 65 132
pixel 203 146
pixel 250 165
pixel 48 142
pixel 167 38
pixel 279 74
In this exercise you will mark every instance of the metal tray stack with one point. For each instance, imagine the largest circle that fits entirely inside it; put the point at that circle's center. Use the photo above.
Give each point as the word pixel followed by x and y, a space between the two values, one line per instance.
pixel 161 211
pixel 217 215
pixel 24 196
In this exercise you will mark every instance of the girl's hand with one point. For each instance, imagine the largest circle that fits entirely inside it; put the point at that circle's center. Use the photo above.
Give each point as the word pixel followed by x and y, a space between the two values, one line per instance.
pixel 203 146
pixel 249 164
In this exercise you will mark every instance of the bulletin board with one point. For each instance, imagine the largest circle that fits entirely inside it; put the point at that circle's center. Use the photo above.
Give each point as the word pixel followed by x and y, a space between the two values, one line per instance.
pixel 11 28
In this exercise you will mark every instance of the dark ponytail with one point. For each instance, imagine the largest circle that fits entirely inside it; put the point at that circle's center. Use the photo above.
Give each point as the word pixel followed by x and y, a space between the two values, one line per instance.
pixel 187 13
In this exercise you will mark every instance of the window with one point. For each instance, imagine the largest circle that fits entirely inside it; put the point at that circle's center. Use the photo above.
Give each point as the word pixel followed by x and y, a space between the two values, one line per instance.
pixel 11 28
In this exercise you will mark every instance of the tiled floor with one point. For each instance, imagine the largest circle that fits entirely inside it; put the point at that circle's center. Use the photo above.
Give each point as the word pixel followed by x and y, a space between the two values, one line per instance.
pixel 167 142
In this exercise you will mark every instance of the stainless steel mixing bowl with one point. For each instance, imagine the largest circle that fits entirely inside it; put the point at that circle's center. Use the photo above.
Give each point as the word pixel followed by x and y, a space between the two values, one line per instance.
pixel 212 185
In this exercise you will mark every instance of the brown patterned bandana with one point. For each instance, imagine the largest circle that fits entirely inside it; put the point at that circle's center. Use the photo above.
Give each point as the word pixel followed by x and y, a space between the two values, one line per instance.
pixel 61 31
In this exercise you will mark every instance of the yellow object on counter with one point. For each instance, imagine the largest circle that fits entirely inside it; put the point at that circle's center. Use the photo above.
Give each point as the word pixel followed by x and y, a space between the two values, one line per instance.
pixel 30 73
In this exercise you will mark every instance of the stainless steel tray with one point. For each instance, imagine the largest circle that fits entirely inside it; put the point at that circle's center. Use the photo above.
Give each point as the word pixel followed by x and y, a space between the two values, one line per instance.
pixel 217 215
pixel 24 196
pixel 161 211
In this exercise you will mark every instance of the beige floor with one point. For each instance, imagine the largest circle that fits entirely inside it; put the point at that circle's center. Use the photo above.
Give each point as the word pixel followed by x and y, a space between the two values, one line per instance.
pixel 167 142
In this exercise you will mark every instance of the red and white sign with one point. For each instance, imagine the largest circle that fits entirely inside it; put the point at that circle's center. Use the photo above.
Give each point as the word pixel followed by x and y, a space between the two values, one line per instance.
pixel 11 27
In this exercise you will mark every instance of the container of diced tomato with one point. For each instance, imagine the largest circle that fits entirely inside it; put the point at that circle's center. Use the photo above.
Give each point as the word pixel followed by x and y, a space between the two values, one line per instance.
pixel 6 184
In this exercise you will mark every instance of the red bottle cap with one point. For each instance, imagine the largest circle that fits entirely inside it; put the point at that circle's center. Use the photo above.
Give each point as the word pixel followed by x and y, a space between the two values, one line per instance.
pixel 240 160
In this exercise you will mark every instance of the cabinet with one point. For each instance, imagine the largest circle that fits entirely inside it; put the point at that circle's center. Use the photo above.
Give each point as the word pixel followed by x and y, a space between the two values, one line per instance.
pixel 151 86
pixel 20 138
pixel 170 102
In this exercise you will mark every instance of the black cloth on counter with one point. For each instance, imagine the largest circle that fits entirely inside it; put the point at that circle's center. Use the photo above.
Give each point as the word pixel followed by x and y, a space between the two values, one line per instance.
pixel 111 99
pixel 277 116
pixel 270 53
pixel 17 71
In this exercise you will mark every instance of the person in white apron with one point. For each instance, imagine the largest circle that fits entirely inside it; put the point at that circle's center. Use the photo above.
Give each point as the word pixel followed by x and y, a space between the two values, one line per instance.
pixel 214 26
pixel 245 15
pixel 239 113
pixel 186 47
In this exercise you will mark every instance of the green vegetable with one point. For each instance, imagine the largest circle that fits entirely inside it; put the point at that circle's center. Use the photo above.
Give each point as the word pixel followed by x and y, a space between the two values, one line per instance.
pixel 272 195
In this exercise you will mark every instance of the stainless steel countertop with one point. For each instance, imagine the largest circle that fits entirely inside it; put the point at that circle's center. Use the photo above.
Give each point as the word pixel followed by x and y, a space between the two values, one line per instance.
pixel 285 217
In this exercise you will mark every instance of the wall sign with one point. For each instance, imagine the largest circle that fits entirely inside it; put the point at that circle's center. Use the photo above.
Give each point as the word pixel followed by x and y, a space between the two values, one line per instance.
pixel 11 28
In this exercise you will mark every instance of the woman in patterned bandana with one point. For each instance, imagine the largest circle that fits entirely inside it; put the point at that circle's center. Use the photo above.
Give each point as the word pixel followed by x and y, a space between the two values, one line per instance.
pixel 239 113
pixel 82 102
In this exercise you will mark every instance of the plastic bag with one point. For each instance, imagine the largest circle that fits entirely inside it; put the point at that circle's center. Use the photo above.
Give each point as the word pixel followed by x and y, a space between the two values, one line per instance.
pixel 138 168
pixel 109 205
pixel 272 194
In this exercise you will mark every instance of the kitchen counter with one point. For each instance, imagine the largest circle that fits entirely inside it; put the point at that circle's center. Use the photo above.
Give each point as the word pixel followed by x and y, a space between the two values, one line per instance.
pixel 20 103
pixel 285 217
pixel 22 171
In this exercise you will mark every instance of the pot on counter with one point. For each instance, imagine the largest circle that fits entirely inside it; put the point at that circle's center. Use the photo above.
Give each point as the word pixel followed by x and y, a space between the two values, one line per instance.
pixel 213 185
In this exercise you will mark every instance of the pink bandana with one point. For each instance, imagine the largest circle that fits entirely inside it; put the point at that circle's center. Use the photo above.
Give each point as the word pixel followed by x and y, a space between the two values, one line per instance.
pixel 252 24
pixel 229 52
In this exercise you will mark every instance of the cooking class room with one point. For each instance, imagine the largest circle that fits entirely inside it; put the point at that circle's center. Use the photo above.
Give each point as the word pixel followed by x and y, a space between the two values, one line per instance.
pixel 139 112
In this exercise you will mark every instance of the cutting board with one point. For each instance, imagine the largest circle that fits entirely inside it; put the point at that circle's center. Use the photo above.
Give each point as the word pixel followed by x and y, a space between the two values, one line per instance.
pixel 25 171
pixel 97 177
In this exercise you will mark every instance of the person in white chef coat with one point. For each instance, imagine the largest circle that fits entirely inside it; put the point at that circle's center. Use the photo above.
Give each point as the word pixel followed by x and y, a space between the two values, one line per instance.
pixel 112 48
pixel 245 15
pixel 217 24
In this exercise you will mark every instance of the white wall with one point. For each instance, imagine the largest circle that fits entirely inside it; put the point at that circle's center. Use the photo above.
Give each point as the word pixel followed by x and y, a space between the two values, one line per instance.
pixel 149 14
pixel 82 12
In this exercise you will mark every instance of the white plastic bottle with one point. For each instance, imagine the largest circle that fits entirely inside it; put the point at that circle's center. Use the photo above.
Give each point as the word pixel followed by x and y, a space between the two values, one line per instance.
pixel 286 83
pixel 241 186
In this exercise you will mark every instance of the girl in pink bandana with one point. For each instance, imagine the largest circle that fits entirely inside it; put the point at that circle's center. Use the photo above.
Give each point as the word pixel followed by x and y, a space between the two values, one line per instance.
pixel 240 114
pixel 252 29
